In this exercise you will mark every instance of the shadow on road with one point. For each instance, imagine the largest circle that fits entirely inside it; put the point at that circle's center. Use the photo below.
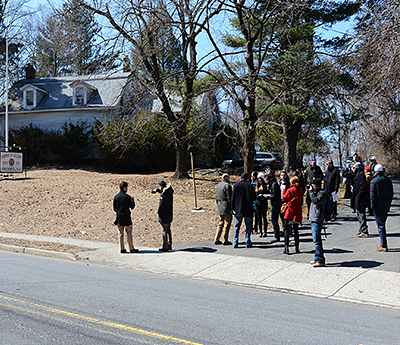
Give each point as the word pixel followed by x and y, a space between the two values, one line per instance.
pixel 357 263
pixel 199 250
pixel 337 251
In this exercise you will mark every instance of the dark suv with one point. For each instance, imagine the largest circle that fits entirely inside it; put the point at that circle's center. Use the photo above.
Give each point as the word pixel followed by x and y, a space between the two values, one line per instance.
pixel 233 162
pixel 267 161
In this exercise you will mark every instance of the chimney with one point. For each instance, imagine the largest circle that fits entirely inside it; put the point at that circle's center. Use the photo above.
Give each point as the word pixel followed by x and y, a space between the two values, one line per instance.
pixel 30 72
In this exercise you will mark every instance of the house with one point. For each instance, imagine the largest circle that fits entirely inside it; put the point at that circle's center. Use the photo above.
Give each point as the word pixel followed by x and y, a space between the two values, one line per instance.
pixel 49 102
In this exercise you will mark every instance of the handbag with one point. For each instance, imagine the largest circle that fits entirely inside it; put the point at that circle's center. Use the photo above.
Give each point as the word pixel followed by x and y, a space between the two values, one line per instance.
pixel 285 204
pixel 284 207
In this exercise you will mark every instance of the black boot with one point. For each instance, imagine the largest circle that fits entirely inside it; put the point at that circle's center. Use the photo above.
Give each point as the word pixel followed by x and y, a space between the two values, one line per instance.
pixel 297 249
pixel 286 250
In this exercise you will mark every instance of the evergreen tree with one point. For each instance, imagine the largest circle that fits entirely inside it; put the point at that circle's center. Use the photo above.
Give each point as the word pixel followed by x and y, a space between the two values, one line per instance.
pixel 52 56
pixel 81 30
pixel 304 79
pixel 283 77
pixel 66 44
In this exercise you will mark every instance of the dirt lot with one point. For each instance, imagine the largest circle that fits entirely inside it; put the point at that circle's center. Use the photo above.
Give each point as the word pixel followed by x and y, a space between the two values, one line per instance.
pixel 77 203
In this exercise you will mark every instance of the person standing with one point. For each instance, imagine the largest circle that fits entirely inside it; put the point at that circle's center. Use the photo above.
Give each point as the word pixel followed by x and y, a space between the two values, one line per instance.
pixel 331 186
pixel 223 196
pixel 372 163
pixel 165 214
pixel 361 198
pixel 381 196
pixel 122 204
pixel 261 204
pixel 348 175
pixel 369 177
pixel 293 214
pixel 284 183
pixel 243 197
pixel 356 159
pixel 312 171
pixel 253 181
pixel 276 203
pixel 319 198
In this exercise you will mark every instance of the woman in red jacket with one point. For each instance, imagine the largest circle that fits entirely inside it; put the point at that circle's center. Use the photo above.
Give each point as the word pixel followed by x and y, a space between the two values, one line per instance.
pixel 293 214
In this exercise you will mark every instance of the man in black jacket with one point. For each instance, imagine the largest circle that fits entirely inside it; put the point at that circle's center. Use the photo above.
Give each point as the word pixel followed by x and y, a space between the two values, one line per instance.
pixel 165 213
pixel 361 198
pixel 123 203
pixel 243 197
pixel 331 185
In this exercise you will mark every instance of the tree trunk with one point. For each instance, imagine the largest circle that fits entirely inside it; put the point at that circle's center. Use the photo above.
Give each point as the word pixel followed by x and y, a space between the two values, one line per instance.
pixel 181 169
pixel 290 138
pixel 249 151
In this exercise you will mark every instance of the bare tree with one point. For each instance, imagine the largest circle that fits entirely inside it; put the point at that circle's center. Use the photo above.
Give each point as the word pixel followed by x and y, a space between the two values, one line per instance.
pixel 373 60
pixel 256 23
pixel 140 24
pixel 12 14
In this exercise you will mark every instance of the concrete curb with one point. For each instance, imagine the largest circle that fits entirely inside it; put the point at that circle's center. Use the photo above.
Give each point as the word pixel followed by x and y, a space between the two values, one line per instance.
pixel 358 285
pixel 347 284
pixel 36 251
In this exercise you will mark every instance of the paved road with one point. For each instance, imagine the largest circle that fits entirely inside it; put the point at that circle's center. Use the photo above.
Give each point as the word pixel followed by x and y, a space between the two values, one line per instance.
pixel 355 271
pixel 49 301
pixel 342 247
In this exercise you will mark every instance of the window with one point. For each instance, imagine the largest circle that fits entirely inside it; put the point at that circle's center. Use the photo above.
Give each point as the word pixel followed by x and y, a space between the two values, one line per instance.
pixel 80 93
pixel 31 96
pixel 30 100
pixel 263 155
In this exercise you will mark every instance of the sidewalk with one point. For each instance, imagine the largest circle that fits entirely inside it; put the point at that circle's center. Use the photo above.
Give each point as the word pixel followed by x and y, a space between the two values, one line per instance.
pixel 355 271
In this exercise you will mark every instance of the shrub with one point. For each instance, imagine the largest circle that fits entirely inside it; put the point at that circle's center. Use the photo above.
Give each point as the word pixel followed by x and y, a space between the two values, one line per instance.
pixel 33 139
pixel 122 140
pixel 73 142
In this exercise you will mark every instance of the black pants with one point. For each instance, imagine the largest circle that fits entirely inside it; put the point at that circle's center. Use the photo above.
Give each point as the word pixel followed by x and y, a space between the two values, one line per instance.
pixel 295 228
pixel 255 217
pixel 167 236
pixel 262 220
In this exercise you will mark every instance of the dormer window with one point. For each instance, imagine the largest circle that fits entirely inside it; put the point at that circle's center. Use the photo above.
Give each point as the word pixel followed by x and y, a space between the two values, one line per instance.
pixel 81 92
pixel 30 98
pixel 80 95
pixel 32 95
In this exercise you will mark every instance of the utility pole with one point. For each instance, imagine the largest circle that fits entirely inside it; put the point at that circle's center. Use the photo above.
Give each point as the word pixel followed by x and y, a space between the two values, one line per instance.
pixel 6 98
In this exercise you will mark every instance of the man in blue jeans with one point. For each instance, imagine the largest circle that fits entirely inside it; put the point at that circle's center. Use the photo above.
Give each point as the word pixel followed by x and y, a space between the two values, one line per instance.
pixel 318 198
pixel 243 197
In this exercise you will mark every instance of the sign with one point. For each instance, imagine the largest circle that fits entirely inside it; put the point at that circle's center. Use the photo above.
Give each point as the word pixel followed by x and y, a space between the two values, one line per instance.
pixel 11 162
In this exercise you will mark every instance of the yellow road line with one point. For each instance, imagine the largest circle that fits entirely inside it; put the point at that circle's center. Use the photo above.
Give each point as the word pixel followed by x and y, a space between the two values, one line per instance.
pixel 12 306
pixel 84 318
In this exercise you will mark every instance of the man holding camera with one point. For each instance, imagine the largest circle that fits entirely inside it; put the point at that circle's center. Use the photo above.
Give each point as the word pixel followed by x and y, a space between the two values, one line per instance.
pixel 312 172
pixel 165 213
pixel 318 198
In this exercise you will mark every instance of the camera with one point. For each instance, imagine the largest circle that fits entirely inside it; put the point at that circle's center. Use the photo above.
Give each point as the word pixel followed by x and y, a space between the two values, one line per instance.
pixel 309 187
